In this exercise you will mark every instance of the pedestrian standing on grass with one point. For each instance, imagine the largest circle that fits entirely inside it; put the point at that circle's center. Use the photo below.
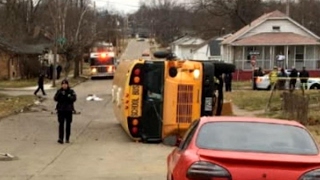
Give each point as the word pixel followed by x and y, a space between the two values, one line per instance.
pixel 65 98
pixel 228 81
pixel 304 76
pixel 293 78
pixel 40 85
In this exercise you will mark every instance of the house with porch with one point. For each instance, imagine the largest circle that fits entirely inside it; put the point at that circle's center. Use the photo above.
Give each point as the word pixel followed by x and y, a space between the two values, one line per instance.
pixel 272 34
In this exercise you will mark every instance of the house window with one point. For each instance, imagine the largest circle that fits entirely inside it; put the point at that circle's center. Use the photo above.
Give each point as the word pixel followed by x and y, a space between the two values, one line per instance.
pixel 276 28
pixel 299 56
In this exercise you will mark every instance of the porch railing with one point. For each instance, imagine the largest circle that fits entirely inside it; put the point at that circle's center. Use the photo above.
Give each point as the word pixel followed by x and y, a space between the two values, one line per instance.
pixel 310 64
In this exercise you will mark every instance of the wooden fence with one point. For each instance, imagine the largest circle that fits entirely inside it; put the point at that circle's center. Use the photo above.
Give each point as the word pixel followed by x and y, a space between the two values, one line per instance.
pixel 296 107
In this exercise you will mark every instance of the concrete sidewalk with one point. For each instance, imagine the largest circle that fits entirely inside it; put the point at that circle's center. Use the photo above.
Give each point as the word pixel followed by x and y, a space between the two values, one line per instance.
pixel 47 86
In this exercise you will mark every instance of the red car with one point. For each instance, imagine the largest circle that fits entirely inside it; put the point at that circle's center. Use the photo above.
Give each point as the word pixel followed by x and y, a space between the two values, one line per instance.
pixel 245 148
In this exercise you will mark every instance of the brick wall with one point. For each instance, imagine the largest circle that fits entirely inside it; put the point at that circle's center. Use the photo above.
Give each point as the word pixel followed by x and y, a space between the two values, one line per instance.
pixel 3 65
pixel 13 66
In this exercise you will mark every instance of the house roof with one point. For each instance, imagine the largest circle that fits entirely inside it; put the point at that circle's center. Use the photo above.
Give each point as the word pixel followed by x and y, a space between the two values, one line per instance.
pixel 272 15
pixel 22 48
pixel 213 40
pixel 188 40
pixel 279 38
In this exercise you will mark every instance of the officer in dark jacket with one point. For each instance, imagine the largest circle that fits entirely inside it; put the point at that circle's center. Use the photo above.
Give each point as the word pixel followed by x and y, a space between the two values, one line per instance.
pixel 40 85
pixel 304 76
pixel 228 81
pixel 65 98
pixel 293 78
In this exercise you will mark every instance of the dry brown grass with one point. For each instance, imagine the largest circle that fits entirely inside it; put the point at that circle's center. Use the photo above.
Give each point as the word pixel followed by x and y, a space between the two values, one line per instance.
pixel 242 85
pixel 12 104
pixel 257 100
pixel 20 83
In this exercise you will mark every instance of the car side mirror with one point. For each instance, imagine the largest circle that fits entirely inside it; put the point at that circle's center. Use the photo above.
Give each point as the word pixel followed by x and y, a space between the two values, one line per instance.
pixel 172 140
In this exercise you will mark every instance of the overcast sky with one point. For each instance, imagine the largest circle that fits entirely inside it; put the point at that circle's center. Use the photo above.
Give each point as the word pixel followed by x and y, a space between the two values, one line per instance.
pixel 125 6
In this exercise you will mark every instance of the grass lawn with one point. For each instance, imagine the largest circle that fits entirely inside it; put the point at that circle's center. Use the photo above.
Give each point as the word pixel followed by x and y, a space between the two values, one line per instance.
pixel 12 104
pixel 257 100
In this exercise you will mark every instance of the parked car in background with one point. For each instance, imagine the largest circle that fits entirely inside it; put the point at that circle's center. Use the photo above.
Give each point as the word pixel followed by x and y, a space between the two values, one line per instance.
pixel 245 148
pixel 263 82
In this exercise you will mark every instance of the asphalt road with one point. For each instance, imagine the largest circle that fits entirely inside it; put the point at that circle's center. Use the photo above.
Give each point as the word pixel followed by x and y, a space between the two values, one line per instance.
pixel 99 148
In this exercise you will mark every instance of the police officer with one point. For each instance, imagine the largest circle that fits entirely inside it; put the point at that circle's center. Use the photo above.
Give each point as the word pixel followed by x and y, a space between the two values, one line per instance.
pixel 65 98
pixel 304 76
pixel 273 76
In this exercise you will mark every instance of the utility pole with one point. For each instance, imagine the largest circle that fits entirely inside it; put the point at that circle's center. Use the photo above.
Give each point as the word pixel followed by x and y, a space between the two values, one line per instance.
pixel 288 8
pixel 55 49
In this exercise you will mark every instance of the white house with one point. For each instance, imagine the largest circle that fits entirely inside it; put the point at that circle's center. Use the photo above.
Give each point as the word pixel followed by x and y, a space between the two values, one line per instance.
pixel 268 36
pixel 184 47
pixel 210 49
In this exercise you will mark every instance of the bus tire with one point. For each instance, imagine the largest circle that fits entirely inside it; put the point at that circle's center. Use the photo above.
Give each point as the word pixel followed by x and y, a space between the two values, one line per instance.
pixel 220 68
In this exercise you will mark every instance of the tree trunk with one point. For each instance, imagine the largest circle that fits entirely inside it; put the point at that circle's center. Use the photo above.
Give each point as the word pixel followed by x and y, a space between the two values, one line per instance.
pixel 76 71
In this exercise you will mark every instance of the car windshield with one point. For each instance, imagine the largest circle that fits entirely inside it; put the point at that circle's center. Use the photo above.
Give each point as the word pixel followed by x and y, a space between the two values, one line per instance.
pixel 256 137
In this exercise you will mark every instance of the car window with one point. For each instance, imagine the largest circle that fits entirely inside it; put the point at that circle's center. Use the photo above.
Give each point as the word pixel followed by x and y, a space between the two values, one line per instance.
pixel 189 134
pixel 256 137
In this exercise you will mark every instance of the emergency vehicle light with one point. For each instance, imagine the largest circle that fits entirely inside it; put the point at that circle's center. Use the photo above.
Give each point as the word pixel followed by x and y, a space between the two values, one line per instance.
pixel 103 55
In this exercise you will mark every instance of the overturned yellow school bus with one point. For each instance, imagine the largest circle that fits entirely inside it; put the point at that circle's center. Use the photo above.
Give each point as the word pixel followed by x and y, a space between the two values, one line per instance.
pixel 154 99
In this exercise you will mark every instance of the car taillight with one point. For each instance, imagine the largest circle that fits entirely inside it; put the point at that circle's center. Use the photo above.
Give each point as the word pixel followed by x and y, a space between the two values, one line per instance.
pixel 205 171
pixel 311 175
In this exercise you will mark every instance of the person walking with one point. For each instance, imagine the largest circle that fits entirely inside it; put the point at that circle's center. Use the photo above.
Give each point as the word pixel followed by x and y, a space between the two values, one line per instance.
pixel 228 81
pixel 65 98
pixel 40 85
pixel 304 76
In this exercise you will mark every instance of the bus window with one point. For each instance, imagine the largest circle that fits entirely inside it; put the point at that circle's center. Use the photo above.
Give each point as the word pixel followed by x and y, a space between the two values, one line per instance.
pixel 98 62
pixel 154 80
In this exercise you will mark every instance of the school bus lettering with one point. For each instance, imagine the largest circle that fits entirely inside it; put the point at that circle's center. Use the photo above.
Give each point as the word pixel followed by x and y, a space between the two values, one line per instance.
pixel 135 90
pixel 135 107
